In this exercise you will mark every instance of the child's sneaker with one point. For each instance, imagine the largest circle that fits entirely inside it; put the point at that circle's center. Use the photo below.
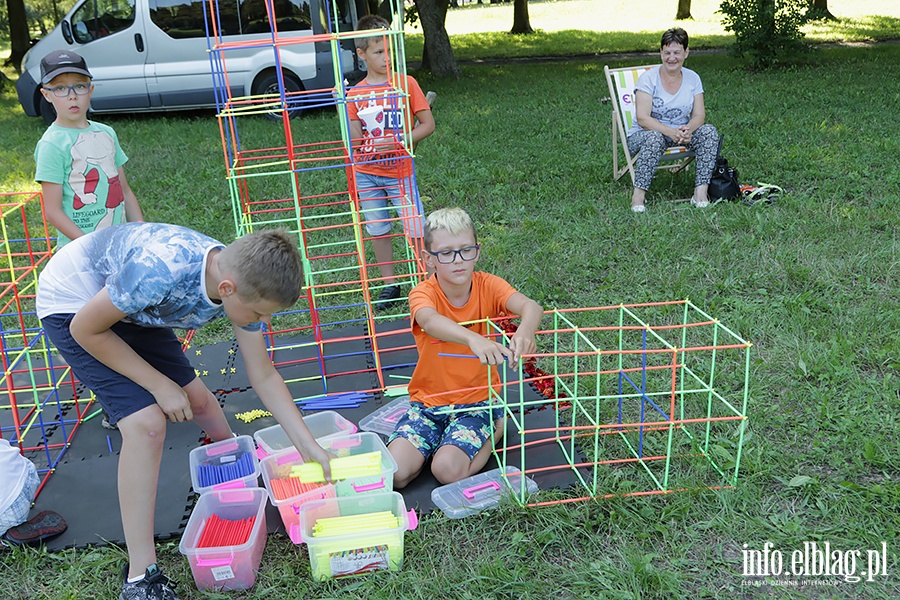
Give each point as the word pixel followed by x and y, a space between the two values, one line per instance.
pixel 388 297
pixel 154 586
pixel 106 424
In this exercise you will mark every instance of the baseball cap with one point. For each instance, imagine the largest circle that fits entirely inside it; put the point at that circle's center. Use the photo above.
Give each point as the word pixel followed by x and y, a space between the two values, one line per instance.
pixel 62 61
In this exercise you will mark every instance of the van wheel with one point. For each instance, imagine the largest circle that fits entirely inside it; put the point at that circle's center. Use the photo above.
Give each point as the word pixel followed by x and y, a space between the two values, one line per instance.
pixel 48 113
pixel 268 85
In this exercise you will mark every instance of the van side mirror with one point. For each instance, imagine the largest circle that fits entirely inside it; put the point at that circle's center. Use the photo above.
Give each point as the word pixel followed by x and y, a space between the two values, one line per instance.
pixel 67 31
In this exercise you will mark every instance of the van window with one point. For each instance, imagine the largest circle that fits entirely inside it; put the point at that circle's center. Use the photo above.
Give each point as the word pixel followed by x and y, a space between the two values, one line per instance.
pixel 184 18
pixel 100 18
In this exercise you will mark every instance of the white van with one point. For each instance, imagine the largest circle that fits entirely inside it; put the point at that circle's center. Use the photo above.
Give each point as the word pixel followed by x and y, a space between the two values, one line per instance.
pixel 152 55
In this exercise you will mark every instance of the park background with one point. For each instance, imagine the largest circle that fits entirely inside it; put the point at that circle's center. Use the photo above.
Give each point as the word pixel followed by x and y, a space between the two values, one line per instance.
pixel 523 143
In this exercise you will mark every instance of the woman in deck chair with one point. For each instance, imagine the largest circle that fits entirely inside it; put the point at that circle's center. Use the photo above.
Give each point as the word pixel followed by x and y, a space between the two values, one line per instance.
pixel 670 112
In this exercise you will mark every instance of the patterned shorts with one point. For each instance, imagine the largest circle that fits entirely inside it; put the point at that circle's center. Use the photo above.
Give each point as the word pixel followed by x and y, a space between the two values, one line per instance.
pixel 17 513
pixel 430 428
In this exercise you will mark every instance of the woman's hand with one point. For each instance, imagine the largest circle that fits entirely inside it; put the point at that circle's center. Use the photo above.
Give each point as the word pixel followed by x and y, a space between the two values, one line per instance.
pixel 684 135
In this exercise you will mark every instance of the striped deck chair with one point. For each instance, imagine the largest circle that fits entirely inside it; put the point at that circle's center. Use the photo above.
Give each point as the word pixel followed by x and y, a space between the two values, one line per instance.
pixel 622 82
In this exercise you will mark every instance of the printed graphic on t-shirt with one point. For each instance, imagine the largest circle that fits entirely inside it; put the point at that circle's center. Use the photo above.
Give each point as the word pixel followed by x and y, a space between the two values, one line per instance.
pixel 154 273
pixel 94 176
pixel 382 122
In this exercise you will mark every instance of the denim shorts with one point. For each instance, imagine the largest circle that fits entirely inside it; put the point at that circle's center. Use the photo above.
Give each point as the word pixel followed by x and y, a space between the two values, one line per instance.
pixel 118 395
pixel 17 513
pixel 376 191
pixel 430 428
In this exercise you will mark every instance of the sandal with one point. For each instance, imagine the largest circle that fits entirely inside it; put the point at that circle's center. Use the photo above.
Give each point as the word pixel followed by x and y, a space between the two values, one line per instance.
pixel 699 203
pixel 638 208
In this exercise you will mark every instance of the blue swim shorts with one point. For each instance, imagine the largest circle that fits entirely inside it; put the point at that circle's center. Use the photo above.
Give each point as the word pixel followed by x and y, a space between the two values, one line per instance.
pixel 118 395
pixel 466 426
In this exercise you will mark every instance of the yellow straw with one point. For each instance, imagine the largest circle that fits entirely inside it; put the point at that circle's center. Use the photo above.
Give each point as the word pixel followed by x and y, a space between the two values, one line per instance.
pixel 346 467
pixel 331 526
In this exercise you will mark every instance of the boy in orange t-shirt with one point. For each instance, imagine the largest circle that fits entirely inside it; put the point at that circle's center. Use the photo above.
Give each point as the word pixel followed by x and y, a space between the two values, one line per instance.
pixel 445 310
pixel 377 108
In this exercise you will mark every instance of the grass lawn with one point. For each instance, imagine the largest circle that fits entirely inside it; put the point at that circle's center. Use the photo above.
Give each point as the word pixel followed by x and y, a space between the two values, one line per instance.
pixel 574 27
pixel 812 281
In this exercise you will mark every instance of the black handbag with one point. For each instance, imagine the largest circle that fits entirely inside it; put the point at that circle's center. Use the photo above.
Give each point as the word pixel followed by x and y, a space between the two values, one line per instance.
pixel 723 185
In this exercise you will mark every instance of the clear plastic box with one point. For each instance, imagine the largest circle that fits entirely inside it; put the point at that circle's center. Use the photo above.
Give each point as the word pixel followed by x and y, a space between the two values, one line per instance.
pixel 384 420
pixel 478 492
pixel 227 567
pixel 362 443
pixel 323 425
pixel 225 465
pixel 277 467
pixel 357 552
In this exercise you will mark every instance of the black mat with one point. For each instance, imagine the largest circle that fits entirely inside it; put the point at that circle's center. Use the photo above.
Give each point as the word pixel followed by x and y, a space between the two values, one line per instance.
pixel 84 492
pixel 216 365
pixel 83 489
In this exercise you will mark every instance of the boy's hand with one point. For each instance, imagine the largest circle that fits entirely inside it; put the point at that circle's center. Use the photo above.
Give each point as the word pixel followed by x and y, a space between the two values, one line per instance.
pixel 319 455
pixel 174 403
pixel 388 143
pixel 489 352
pixel 522 344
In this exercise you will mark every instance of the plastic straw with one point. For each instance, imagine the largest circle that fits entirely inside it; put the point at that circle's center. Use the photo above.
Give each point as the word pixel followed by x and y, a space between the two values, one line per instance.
pixel 345 467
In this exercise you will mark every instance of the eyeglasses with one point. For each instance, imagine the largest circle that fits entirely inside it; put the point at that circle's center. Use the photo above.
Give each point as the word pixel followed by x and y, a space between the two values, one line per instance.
pixel 445 257
pixel 61 91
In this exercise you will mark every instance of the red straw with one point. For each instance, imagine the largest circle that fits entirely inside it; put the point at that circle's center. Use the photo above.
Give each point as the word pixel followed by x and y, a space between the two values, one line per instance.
pixel 218 532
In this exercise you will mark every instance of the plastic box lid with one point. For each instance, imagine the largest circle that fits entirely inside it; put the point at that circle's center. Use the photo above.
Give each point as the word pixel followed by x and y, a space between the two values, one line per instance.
pixel 384 420
pixel 323 425
pixel 478 492
pixel 226 464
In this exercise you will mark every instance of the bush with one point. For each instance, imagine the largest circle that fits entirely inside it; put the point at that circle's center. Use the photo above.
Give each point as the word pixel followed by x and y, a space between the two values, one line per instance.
pixel 766 31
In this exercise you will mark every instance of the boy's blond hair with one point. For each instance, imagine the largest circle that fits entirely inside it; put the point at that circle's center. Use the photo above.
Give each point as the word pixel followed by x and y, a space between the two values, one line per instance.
pixel 454 220
pixel 265 265
pixel 370 22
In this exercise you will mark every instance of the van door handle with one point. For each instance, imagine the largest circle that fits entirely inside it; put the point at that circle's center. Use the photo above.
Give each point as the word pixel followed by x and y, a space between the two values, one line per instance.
pixel 138 42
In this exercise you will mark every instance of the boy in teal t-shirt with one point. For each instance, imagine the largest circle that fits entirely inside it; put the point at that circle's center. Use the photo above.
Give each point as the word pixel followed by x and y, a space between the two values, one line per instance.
pixel 79 163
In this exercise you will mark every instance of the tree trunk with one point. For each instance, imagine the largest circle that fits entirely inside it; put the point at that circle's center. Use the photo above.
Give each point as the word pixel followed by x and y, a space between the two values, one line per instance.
pixel 684 10
pixel 438 55
pixel 819 10
pixel 18 33
pixel 521 22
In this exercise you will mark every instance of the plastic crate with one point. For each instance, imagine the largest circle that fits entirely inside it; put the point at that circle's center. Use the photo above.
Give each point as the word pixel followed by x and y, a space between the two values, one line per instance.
pixel 278 468
pixel 356 552
pixel 478 492
pixel 231 566
pixel 362 443
pixel 227 464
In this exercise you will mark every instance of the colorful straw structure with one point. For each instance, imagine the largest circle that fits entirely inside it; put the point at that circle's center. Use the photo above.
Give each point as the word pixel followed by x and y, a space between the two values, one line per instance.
pixel 42 403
